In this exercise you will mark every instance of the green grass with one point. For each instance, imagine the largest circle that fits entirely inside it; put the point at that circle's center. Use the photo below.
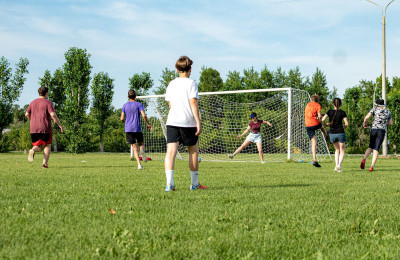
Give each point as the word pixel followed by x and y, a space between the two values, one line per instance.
pixel 270 211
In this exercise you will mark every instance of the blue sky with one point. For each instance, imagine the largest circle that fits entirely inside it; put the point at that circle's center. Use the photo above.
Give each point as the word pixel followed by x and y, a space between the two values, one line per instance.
pixel 341 37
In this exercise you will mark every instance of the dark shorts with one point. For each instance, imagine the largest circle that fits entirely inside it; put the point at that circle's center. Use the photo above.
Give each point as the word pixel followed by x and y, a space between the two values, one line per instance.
pixel 341 138
pixel 134 137
pixel 376 137
pixel 311 130
pixel 184 135
pixel 40 138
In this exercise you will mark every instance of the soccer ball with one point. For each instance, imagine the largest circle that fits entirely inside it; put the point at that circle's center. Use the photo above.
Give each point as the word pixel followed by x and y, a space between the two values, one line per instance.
pixel 199 158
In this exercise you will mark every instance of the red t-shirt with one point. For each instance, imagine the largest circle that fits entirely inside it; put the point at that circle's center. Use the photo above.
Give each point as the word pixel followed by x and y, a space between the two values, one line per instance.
pixel 40 110
pixel 255 127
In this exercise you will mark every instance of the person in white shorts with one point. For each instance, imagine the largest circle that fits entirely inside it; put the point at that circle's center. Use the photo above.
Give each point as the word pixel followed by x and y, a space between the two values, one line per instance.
pixel 253 137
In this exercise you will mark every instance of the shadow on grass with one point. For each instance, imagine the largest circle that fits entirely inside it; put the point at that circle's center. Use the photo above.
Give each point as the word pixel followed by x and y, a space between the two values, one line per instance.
pixel 245 186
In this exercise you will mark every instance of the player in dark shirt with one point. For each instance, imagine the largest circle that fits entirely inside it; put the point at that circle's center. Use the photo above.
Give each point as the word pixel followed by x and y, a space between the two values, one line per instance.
pixel 337 135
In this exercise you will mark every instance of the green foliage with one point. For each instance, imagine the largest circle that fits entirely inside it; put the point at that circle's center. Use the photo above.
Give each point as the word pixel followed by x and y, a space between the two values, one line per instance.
pixel 141 83
pixel 76 78
pixel 210 80
pixel 102 92
pixel 10 89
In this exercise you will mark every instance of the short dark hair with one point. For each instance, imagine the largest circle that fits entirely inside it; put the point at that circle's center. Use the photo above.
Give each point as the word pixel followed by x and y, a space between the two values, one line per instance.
pixel 43 91
pixel 380 102
pixel 253 114
pixel 183 64
pixel 131 94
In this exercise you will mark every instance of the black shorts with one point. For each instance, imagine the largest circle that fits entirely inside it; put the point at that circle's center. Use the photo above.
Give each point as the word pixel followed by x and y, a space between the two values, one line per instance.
pixel 311 130
pixel 41 138
pixel 134 137
pixel 184 135
pixel 376 137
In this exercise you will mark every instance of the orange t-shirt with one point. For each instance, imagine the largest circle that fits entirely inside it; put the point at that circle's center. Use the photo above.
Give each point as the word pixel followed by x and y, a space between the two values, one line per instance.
pixel 311 114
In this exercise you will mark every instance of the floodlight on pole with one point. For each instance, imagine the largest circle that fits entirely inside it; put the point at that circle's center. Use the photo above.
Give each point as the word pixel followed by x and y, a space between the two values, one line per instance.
pixel 385 144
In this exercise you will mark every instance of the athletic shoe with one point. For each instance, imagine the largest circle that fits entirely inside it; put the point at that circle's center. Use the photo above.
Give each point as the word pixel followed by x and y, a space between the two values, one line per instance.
pixel 262 162
pixel 338 168
pixel 44 166
pixel 231 156
pixel 31 155
pixel 199 187
pixel 371 169
pixel 316 164
pixel 140 167
pixel 170 188
pixel 362 165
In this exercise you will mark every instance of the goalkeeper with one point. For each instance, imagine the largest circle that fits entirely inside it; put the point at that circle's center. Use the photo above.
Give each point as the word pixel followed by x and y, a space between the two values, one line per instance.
pixel 254 136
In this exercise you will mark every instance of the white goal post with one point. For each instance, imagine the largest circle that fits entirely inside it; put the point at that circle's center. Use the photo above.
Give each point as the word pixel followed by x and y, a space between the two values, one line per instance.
pixel 226 114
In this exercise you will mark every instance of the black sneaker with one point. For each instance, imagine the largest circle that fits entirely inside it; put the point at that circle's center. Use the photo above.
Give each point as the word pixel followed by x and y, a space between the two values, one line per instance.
pixel 316 164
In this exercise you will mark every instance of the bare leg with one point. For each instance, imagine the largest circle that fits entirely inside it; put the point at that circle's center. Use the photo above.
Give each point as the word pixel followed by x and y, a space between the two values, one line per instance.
pixel 169 162
pixel 141 147
pixel 374 158
pixel 37 148
pixel 260 153
pixel 244 145
pixel 136 153
pixel 314 148
pixel 337 152
pixel 46 154
pixel 367 153
pixel 193 158
pixel 342 152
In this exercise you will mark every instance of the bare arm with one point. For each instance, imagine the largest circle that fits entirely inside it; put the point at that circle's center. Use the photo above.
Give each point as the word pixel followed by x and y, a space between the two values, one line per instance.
pixel 195 109
pixel 146 119
pixel 268 123
pixel 55 118
pixel 319 116
pixel 366 119
pixel 245 132
pixel 122 117
pixel 28 115
pixel 390 122
pixel 346 122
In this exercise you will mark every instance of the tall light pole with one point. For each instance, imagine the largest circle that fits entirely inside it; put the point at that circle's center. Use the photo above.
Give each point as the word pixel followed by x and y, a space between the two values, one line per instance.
pixel 385 144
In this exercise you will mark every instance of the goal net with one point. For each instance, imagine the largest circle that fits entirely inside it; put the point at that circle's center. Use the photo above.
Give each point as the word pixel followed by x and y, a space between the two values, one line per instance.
pixel 226 114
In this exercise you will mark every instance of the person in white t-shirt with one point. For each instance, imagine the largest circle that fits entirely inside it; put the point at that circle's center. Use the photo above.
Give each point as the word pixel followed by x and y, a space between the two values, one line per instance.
pixel 183 123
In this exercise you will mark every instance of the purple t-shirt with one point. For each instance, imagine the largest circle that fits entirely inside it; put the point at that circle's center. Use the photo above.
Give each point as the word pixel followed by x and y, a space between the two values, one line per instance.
pixel 132 111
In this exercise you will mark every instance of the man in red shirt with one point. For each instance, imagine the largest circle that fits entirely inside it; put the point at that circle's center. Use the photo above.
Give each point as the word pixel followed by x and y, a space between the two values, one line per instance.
pixel 312 117
pixel 40 112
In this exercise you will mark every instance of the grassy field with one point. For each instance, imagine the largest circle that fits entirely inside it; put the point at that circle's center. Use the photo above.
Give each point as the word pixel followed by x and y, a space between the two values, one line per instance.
pixel 250 211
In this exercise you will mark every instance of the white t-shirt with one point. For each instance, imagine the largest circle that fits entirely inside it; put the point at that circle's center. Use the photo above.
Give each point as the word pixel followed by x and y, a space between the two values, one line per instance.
pixel 179 92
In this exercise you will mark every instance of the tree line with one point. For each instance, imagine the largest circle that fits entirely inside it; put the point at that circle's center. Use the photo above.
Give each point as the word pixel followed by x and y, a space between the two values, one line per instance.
pixel 83 101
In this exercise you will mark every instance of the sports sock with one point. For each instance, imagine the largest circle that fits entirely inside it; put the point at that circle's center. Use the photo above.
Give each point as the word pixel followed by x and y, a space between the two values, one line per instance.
pixel 195 177
pixel 170 177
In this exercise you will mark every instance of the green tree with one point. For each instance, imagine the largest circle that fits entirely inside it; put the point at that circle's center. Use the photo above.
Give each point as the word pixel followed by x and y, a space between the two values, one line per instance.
pixel 76 78
pixel 102 92
pixel 10 89
pixel 162 106
pixel 318 85
pixel 393 103
pixel 210 80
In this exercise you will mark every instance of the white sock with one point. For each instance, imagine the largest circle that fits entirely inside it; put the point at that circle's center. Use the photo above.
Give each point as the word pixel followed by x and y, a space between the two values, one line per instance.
pixel 170 177
pixel 195 178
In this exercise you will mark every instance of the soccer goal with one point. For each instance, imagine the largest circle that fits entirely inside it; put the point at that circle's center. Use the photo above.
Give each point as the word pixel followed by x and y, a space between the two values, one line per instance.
pixel 226 114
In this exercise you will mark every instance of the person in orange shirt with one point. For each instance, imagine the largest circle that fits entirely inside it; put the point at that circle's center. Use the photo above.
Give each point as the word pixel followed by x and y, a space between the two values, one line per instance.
pixel 312 117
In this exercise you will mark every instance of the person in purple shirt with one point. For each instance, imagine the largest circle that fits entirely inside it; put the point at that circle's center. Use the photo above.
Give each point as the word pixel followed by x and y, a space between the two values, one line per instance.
pixel 132 110
pixel 254 137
